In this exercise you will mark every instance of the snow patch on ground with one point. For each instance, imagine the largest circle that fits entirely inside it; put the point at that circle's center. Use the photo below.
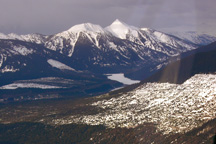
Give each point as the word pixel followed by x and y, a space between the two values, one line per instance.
pixel 28 85
pixel 1 60
pixel 172 108
pixel 121 78
pixel 8 68
pixel 42 83
pixel 59 65
pixel 23 50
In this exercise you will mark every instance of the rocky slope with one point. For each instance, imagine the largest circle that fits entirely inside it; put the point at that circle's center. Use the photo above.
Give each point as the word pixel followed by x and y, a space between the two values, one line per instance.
pixel 172 108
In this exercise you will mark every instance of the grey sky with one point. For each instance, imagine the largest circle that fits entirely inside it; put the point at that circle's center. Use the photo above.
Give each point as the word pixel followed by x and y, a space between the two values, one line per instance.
pixel 53 16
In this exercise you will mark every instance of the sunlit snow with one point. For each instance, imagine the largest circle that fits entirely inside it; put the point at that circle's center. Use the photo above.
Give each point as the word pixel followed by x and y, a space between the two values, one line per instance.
pixel 120 29
pixel 28 85
pixel 59 65
pixel 23 50
pixel 173 108
pixel 121 78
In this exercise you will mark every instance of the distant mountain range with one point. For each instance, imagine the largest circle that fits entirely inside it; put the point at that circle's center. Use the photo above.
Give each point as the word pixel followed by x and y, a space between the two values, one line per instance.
pixel 178 100
pixel 175 105
pixel 197 38
pixel 201 60
pixel 90 47
pixel 86 52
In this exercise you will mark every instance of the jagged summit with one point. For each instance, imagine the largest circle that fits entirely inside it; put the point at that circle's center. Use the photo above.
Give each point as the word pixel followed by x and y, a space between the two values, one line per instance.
pixel 119 22
pixel 86 27
pixel 121 29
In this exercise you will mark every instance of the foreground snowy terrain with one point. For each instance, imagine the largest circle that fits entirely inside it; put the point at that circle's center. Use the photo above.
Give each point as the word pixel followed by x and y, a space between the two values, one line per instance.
pixel 172 108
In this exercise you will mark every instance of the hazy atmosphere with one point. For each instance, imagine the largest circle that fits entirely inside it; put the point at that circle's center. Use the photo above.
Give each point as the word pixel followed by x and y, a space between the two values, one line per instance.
pixel 53 16
pixel 107 71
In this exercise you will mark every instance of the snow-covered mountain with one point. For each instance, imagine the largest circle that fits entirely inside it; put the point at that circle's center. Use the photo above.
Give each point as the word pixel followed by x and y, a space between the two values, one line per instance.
pixel 122 30
pixel 118 48
pixel 200 60
pixel 197 38
pixel 175 104
pixel 65 42
pixel 20 60
pixel 34 38
pixel 100 38
pixel 111 49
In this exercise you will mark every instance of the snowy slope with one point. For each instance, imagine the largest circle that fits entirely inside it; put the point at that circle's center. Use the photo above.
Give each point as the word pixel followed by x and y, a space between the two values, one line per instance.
pixel 172 108
pixel 3 36
pixel 9 50
pixel 27 59
pixel 197 38
pixel 59 65
pixel 113 49
pixel 116 45
pixel 101 38
pixel 35 38
pixel 121 29
pixel 165 43
pixel 149 38
pixel 65 42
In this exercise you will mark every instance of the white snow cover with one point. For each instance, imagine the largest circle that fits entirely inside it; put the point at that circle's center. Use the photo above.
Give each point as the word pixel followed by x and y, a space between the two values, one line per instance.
pixel 173 108
pixel 37 38
pixel 86 27
pixel 28 85
pixel 121 29
pixel 91 31
pixel 1 59
pixel 156 38
pixel 42 83
pixel 8 68
pixel 121 78
pixel 3 36
pixel 23 50
pixel 195 37
pixel 59 65
pixel 65 41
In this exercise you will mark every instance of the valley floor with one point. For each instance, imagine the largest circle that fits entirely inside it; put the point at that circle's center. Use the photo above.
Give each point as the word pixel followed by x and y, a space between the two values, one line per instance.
pixel 153 112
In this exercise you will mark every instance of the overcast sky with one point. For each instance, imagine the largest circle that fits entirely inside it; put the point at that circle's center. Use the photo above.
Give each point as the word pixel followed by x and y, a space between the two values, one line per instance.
pixel 53 16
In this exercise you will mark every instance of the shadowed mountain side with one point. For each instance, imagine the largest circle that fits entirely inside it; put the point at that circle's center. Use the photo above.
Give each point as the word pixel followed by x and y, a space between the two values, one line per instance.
pixel 202 60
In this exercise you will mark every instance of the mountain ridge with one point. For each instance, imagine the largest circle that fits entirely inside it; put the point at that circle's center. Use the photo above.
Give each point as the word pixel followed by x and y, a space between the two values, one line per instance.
pixel 138 48
pixel 197 38
pixel 87 51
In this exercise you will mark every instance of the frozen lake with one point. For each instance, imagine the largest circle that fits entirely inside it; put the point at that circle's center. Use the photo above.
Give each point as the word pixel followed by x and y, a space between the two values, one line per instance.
pixel 121 78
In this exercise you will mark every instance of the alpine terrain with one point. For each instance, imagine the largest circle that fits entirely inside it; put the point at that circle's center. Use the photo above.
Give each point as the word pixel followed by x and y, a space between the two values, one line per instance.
pixel 81 60
pixel 175 105
pixel 71 72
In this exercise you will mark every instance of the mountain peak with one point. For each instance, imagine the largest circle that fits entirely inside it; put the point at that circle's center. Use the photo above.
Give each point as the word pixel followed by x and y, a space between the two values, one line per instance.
pixel 117 21
pixel 86 27
pixel 121 29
